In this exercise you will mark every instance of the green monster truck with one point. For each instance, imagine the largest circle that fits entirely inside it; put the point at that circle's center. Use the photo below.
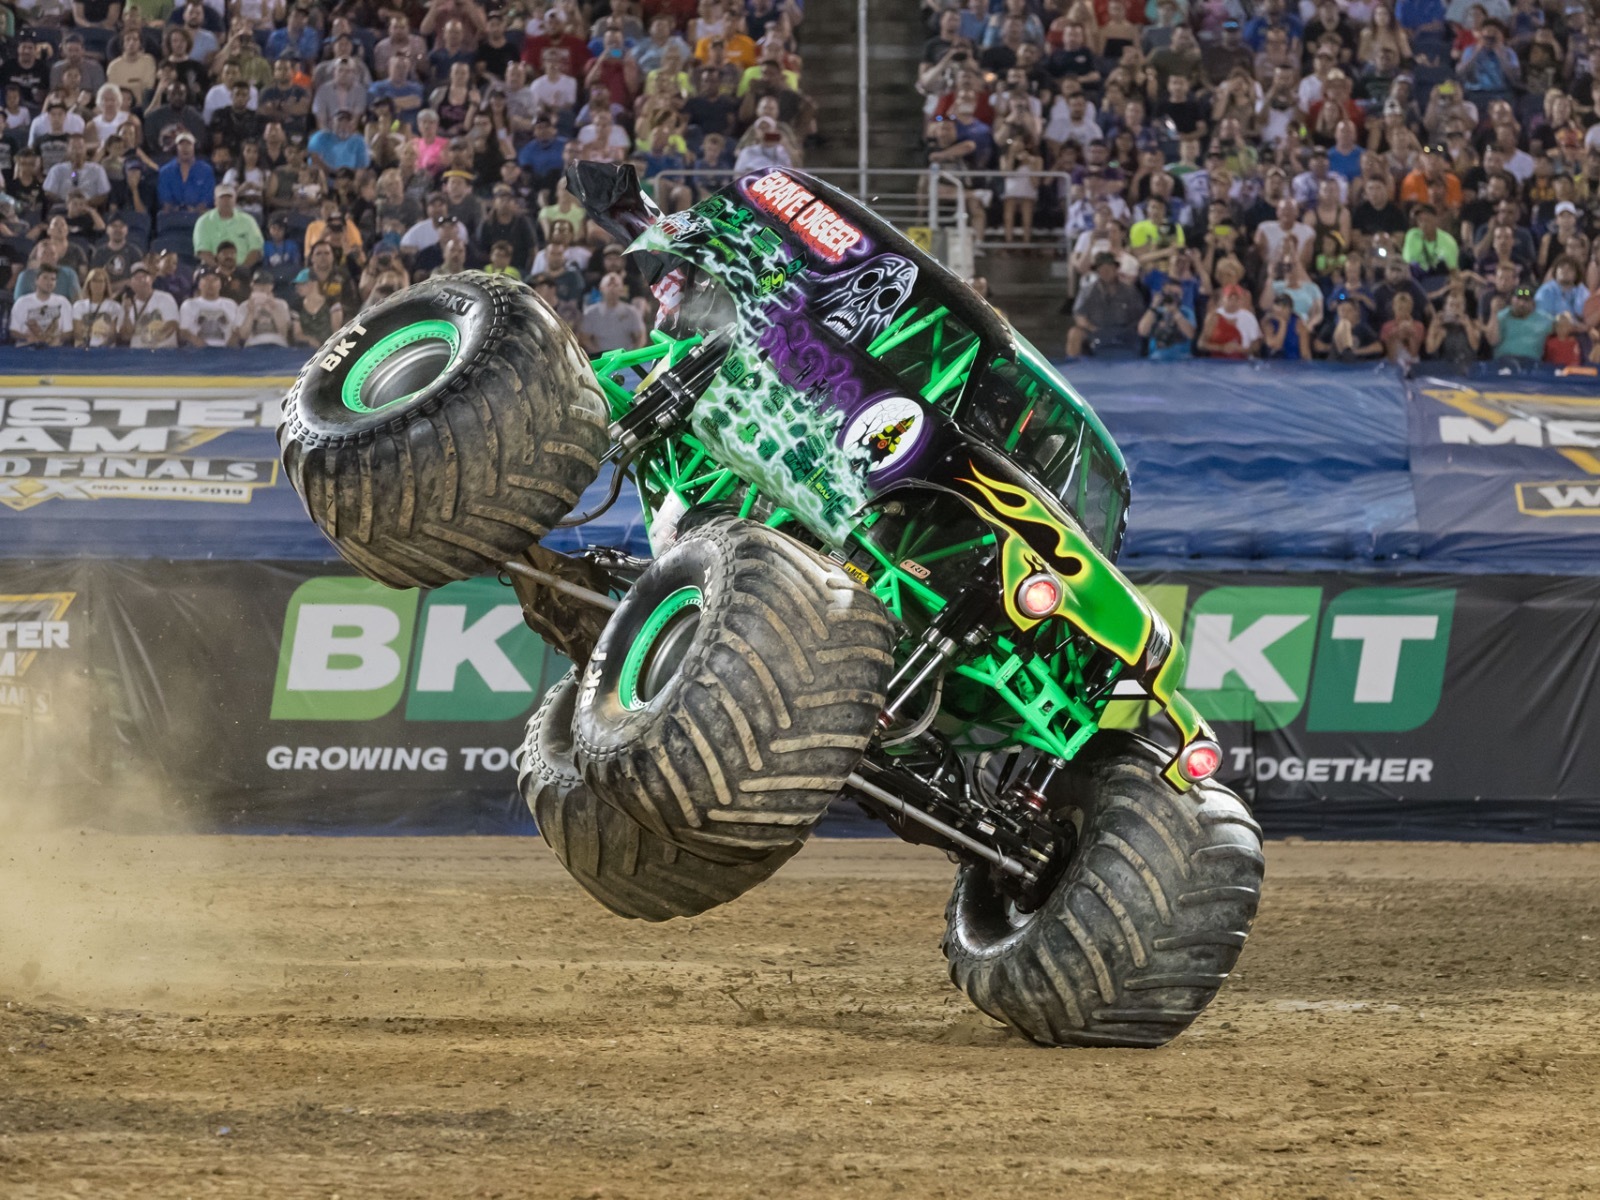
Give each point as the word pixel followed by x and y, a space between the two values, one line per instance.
pixel 883 531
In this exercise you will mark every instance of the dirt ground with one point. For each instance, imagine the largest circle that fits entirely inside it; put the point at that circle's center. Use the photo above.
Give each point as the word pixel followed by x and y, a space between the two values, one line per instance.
pixel 286 1018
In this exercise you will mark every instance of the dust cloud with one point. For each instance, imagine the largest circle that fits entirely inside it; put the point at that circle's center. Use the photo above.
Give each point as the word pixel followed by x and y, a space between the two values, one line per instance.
pixel 105 893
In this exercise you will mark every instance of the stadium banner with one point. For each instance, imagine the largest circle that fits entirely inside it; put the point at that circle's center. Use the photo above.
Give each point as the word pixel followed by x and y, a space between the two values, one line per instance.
pixel 281 697
pixel 1310 467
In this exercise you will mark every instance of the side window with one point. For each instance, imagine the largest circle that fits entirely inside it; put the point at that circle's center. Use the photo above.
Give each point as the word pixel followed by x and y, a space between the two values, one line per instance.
pixel 1043 432
pixel 930 350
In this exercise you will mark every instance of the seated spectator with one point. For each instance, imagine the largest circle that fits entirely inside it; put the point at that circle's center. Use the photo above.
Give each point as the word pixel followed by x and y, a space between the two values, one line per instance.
pixel 1402 335
pixel 341 147
pixel 116 256
pixel 234 284
pixel 1569 344
pixel 1428 248
pixel 227 223
pixel 1231 329
pixel 208 318
pixel 1520 329
pixel 500 255
pixel 172 116
pixel 186 186
pixel 1105 316
pixel 400 88
pixel 1563 291
pixel 46 253
pixel 611 323
pixel 505 222
pixel 1168 325
pixel 97 315
pixel 1454 336
pixel 237 123
pixel 1348 338
pixel 345 92
pixel 40 317
pixel 263 319
pixel 150 316
pixel 284 100
pixel 76 172
pixel 313 315
pixel 1284 334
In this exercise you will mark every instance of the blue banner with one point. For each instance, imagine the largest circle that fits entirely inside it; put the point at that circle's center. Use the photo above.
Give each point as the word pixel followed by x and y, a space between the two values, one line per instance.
pixel 1235 466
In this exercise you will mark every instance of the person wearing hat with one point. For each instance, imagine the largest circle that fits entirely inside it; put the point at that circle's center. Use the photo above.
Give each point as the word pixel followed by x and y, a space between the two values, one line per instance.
pixel 187 185
pixel 227 223
pixel 341 147
pixel 1348 338
pixel 264 319
pixel 1519 330
pixel 1414 189
pixel 1222 57
pixel 314 315
pixel 208 318
pixel 505 222
pixel 149 315
pixel 1105 316
pixel 541 154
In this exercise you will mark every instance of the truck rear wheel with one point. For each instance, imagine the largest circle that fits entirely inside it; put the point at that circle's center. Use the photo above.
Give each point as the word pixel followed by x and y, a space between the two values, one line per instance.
pixel 444 431
pixel 626 868
pixel 1142 929
pixel 732 692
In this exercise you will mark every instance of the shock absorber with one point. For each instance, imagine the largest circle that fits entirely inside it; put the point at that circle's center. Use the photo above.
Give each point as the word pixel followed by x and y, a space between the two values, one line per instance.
pixel 958 624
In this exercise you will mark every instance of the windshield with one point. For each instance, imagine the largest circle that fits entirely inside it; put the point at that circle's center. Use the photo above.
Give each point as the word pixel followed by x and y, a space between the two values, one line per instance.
pixel 1015 407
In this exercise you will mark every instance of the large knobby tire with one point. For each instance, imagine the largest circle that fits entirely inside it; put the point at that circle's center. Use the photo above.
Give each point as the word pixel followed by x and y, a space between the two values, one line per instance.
pixel 732 692
pixel 625 867
pixel 1142 929
pixel 444 431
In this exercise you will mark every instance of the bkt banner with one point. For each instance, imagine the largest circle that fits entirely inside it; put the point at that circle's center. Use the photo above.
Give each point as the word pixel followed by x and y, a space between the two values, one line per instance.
pixel 286 697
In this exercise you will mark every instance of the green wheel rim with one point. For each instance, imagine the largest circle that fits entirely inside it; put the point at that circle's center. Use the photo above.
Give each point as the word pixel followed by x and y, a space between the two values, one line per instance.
pixel 636 666
pixel 400 365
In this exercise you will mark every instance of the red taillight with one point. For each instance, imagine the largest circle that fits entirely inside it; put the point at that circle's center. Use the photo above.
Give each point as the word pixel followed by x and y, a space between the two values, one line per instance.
pixel 1039 595
pixel 1200 760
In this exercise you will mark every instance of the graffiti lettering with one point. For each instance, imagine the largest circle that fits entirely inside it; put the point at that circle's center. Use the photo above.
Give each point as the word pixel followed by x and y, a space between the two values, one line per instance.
pixel 802 362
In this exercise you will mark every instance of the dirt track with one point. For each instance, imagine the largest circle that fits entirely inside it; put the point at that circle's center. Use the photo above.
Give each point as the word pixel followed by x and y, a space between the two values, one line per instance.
pixel 285 1018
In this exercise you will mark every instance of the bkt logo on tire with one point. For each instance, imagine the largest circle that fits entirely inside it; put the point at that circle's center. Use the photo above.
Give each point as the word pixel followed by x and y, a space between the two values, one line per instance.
pixel 352 648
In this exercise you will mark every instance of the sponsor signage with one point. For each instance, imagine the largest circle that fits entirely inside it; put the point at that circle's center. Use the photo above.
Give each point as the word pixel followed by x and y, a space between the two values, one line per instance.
pixel 281 696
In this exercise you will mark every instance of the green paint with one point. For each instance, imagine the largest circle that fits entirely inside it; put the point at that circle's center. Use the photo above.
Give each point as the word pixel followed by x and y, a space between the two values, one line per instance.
pixel 386 348
pixel 638 655
pixel 1381 659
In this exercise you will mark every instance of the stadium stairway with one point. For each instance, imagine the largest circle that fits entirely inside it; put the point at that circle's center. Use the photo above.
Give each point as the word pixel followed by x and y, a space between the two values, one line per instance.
pixel 1029 287
pixel 894 38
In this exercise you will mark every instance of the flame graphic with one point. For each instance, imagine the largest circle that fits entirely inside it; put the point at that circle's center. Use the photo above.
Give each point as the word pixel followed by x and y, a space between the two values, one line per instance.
pixel 1018 504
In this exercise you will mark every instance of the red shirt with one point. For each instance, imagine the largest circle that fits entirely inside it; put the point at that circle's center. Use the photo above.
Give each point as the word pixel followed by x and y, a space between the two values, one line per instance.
pixel 577 52
pixel 1563 351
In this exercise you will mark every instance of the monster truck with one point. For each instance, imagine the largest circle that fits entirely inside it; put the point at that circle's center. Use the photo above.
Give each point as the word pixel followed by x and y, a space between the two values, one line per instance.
pixel 883 532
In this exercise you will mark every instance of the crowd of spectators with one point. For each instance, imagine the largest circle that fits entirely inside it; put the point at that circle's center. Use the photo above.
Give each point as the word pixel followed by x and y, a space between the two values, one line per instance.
pixel 1336 179
pixel 256 172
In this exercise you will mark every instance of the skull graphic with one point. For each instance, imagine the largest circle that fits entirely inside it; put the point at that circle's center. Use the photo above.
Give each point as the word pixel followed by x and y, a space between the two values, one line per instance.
pixel 859 304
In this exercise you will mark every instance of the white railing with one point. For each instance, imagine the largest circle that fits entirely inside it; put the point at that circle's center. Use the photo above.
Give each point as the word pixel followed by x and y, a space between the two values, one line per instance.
pixel 928 198
pixel 906 197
